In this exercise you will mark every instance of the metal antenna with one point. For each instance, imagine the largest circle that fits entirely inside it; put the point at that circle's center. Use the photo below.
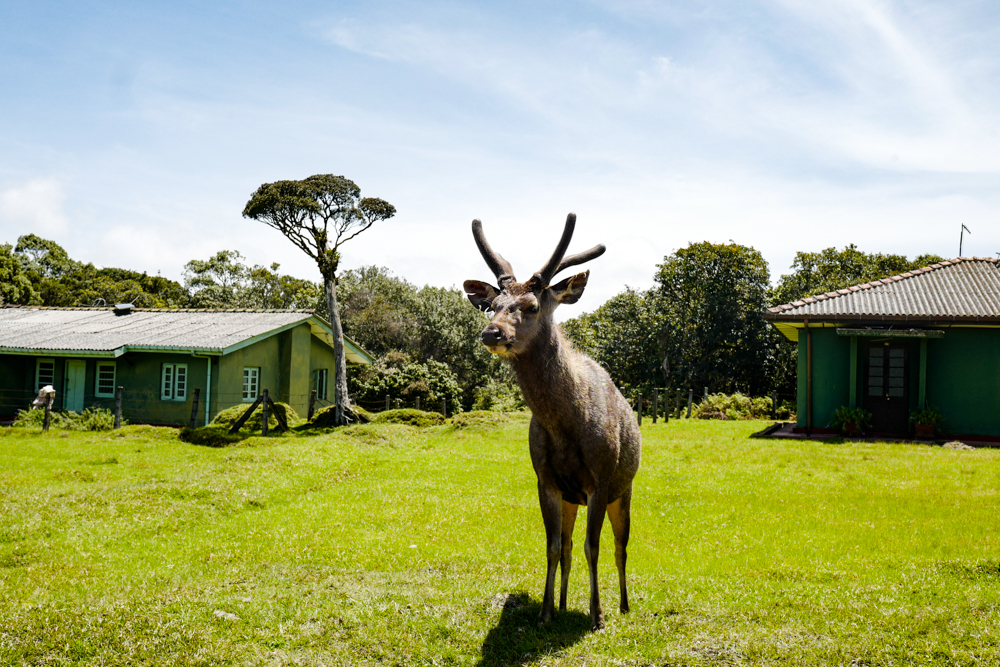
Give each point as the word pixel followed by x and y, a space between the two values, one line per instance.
pixel 961 238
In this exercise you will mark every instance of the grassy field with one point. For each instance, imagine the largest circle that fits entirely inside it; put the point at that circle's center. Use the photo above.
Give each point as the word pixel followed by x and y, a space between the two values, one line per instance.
pixel 399 546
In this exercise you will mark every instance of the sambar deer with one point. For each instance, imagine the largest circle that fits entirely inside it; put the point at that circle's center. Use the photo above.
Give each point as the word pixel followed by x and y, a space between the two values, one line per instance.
pixel 583 438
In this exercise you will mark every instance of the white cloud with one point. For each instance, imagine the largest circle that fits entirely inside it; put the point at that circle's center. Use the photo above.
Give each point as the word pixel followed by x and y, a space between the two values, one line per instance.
pixel 35 206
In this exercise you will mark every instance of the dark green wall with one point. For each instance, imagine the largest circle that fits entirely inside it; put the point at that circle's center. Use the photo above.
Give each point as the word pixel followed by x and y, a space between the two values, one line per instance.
pixel 963 380
pixel 831 355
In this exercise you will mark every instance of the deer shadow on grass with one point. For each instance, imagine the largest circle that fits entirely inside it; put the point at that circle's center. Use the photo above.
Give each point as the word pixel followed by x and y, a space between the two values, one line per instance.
pixel 519 638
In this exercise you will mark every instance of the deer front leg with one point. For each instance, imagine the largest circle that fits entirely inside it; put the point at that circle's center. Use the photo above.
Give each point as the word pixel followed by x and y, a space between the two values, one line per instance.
pixel 568 521
pixel 619 513
pixel 597 506
pixel 551 504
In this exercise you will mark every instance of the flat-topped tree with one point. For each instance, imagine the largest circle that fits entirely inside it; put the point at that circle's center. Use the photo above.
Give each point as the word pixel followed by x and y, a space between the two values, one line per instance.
pixel 318 214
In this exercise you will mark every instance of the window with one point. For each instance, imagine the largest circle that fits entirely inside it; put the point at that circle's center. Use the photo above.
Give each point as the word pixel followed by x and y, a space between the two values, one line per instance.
pixel 105 385
pixel 173 382
pixel 251 382
pixel 45 373
pixel 320 376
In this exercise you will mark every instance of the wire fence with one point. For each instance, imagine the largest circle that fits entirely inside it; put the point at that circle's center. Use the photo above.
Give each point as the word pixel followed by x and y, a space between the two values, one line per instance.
pixel 150 407
pixel 683 403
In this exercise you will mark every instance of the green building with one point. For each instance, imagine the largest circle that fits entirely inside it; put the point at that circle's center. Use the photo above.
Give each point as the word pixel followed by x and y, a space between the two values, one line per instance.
pixel 160 357
pixel 926 338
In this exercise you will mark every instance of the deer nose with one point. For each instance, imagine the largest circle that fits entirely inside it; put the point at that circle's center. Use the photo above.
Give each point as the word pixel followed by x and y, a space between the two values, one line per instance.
pixel 492 335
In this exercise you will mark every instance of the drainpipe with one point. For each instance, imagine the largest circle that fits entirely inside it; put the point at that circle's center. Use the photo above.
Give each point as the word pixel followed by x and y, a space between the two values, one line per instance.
pixel 208 389
pixel 809 379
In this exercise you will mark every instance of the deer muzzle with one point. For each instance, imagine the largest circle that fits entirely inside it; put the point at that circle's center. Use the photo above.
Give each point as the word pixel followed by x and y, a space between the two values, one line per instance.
pixel 495 339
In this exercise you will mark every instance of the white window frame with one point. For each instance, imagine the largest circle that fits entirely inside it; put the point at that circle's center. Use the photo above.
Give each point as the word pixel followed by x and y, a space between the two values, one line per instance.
pixel 97 379
pixel 173 382
pixel 251 383
pixel 39 383
pixel 321 380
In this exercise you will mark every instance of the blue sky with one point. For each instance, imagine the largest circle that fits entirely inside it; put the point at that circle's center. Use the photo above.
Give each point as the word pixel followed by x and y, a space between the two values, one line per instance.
pixel 134 133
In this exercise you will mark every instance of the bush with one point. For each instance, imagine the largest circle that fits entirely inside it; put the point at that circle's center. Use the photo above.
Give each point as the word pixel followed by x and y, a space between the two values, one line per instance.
pixel 209 436
pixel 230 416
pixel 97 419
pixel 395 375
pixel 91 419
pixel 845 415
pixel 409 416
pixel 733 407
pixel 497 395
pixel 323 418
pixel 479 419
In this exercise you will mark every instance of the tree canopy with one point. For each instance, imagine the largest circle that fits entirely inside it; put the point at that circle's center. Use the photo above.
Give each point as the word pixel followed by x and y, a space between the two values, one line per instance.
pixel 318 214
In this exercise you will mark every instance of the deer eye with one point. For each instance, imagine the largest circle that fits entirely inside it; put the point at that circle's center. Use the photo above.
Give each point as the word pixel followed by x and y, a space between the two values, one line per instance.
pixel 532 308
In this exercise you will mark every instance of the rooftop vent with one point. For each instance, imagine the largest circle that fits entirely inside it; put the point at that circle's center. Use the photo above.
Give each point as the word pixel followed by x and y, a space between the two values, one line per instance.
pixel 123 308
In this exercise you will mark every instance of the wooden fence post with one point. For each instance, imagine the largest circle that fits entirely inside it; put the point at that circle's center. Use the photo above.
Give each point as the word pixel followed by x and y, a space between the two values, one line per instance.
pixel 677 404
pixel 690 400
pixel 418 402
pixel 194 407
pixel 312 404
pixel 656 403
pixel 48 412
pixel 387 401
pixel 399 403
pixel 774 404
pixel 666 405
pixel 267 413
pixel 118 407
pixel 638 406
pixel 444 407
pixel 246 415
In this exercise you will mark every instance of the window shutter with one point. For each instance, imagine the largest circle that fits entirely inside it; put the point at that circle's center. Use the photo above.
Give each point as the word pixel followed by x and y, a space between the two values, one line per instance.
pixel 167 383
pixel 180 382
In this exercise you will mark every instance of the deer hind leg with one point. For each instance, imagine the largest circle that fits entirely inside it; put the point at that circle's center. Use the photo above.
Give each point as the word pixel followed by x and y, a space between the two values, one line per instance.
pixel 566 562
pixel 619 513
pixel 597 505
pixel 550 501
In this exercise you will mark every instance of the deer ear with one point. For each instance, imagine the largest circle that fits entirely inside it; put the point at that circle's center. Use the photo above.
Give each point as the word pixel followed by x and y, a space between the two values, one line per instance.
pixel 571 289
pixel 480 294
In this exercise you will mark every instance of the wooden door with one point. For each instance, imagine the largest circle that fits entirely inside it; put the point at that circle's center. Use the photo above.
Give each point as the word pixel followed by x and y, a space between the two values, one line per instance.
pixel 76 378
pixel 887 387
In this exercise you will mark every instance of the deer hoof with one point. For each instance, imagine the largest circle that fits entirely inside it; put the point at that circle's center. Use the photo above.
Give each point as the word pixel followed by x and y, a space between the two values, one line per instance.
pixel 545 617
pixel 597 623
pixel 624 608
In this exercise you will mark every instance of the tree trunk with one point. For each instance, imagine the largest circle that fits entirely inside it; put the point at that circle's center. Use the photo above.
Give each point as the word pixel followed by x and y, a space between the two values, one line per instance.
pixel 342 411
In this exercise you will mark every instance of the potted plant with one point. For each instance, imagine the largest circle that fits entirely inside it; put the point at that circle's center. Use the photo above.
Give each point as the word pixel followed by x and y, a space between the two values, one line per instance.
pixel 926 422
pixel 851 421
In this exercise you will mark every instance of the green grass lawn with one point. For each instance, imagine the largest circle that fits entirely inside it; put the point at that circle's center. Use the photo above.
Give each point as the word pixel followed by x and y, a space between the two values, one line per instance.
pixel 403 546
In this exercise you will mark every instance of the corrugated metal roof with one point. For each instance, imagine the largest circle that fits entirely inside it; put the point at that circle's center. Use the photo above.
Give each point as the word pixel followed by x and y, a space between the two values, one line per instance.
pixel 961 289
pixel 101 330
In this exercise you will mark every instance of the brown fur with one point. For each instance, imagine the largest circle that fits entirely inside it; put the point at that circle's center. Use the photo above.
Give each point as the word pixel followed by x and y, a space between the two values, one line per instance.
pixel 584 442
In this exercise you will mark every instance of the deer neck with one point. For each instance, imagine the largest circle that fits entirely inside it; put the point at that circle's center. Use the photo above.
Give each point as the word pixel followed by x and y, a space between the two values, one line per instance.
pixel 545 373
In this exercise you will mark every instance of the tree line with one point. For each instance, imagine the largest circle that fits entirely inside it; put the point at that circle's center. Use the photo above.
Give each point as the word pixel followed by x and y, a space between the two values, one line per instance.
pixel 703 316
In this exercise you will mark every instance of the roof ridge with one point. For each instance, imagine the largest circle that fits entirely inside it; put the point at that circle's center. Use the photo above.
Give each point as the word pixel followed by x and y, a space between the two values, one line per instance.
pixel 310 311
pixel 877 283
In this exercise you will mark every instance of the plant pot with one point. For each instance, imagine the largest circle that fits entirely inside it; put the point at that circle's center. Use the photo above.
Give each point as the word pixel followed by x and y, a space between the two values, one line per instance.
pixel 851 428
pixel 924 431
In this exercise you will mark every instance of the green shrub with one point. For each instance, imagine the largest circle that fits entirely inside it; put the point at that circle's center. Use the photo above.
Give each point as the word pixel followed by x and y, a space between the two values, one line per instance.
pixel 209 436
pixel 97 419
pixel 479 419
pixel 323 418
pixel 230 416
pixel 845 415
pixel 91 419
pixel 928 415
pixel 497 395
pixel 733 407
pixel 409 416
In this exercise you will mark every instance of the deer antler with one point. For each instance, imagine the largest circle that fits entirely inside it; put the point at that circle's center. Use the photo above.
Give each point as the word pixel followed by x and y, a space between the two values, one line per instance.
pixel 580 258
pixel 500 267
pixel 542 278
